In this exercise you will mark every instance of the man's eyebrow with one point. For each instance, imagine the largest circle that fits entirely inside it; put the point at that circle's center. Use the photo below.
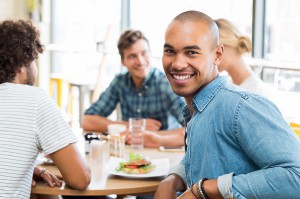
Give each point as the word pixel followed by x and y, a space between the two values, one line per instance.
pixel 131 54
pixel 168 46
pixel 192 48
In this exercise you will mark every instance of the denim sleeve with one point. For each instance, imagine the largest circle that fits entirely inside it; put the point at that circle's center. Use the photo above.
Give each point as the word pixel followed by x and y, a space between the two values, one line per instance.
pixel 225 185
pixel 107 101
pixel 270 143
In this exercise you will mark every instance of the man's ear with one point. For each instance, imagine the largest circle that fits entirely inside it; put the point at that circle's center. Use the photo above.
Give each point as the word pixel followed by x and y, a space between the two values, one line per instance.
pixel 219 54
pixel 22 70
pixel 20 75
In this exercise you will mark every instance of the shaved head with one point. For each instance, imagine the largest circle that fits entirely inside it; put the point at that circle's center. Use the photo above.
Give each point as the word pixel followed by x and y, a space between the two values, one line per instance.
pixel 196 16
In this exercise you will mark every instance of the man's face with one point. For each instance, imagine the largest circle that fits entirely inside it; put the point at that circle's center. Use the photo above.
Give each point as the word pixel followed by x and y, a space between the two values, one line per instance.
pixel 190 57
pixel 137 60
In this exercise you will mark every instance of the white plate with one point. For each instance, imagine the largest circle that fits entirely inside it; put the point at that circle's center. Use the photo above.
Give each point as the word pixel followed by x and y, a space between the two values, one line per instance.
pixel 161 168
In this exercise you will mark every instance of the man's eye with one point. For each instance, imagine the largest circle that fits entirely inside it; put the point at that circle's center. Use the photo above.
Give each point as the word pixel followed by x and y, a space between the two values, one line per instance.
pixel 131 56
pixel 192 52
pixel 169 51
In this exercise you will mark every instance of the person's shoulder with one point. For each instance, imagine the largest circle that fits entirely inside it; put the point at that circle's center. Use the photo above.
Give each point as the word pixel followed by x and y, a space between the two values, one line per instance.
pixel 241 95
pixel 121 77
pixel 27 89
pixel 158 73
pixel 233 93
pixel 159 76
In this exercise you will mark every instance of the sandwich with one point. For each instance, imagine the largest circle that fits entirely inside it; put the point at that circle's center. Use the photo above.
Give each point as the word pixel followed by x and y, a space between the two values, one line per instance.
pixel 136 165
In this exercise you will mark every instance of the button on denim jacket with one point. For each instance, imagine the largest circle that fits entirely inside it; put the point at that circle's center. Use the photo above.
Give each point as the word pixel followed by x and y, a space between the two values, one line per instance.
pixel 242 140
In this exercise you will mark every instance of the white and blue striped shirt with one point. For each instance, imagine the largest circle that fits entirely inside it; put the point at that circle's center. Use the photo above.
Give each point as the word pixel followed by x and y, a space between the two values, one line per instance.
pixel 30 121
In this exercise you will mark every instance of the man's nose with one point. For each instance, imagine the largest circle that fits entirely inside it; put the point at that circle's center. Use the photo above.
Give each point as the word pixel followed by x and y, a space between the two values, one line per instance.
pixel 179 63
pixel 140 59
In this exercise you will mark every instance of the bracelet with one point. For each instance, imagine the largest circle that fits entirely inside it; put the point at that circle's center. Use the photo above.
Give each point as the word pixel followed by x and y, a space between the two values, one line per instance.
pixel 43 170
pixel 201 196
pixel 194 192
pixel 202 188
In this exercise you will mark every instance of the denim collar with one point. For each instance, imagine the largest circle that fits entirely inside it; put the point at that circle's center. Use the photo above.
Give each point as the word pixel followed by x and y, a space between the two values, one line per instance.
pixel 204 97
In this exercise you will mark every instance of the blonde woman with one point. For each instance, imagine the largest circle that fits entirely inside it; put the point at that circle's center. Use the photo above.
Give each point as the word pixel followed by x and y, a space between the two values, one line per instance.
pixel 236 46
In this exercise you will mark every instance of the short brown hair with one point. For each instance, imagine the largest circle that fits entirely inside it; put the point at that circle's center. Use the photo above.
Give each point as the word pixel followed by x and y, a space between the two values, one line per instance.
pixel 19 46
pixel 128 38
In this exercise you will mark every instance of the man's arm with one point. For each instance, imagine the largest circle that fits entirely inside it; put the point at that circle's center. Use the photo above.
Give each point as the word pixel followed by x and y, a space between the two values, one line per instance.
pixel 94 118
pixel 273 146
pixel 98 123
pixel 166 138
pixel 74 169
pixel 169 186
pixel 172 138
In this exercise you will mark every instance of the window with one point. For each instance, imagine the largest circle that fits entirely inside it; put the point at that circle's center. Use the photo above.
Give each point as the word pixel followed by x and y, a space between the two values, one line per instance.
pixel 152 17
pixel 80 28
pixel 283 30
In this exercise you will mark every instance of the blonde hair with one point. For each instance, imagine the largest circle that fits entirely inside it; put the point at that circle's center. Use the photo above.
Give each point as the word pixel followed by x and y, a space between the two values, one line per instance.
pixel 231 36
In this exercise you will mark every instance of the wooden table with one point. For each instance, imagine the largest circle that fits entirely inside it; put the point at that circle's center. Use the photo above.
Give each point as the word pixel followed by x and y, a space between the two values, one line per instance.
pixel 105 184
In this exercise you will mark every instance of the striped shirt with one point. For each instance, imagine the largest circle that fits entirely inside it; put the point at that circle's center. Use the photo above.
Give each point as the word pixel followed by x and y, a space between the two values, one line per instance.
pixel 154 99
pixel 30 122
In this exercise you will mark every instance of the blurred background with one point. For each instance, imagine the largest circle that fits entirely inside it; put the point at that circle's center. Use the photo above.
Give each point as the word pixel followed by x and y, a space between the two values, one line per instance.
pixel 80 36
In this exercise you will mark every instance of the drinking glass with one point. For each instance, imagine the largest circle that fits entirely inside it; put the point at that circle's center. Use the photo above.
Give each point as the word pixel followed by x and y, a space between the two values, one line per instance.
pixel 137 127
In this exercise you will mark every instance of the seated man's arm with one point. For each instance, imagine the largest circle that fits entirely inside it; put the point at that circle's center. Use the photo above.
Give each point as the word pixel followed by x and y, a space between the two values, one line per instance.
pixel 168 187
pixel 172 138
pixel 98 123
pixel 74 169
pixel 166 138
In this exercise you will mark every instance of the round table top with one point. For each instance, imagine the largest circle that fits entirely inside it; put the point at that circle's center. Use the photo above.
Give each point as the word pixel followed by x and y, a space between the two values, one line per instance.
pixel 103 183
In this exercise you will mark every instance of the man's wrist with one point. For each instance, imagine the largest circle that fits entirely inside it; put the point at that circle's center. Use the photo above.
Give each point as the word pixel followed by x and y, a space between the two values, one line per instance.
pixel 176 182
pixel 211 189
pixel 162 141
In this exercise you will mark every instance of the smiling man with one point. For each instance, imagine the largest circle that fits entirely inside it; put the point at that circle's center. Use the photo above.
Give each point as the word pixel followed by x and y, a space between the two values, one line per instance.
pixel 237 143
pixel 142 92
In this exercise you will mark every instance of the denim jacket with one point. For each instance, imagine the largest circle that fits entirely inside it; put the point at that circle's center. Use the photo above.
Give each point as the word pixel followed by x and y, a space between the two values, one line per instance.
pixel 242 140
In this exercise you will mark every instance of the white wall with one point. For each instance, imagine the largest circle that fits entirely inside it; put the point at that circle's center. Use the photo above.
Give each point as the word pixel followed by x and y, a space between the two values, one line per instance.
pixel 16 9
pixel 13 9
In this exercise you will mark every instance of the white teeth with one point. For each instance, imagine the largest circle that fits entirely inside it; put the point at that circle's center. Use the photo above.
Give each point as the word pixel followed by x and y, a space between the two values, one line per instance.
pixel 182 77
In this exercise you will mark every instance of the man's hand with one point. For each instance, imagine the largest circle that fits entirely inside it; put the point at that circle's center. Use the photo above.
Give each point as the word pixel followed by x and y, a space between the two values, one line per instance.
pixel 151 139
pixel 168 187
pixel 152 124
pixel 42 174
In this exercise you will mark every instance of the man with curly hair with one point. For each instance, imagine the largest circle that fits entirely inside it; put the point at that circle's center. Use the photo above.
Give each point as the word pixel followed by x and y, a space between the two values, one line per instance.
pixel 30 121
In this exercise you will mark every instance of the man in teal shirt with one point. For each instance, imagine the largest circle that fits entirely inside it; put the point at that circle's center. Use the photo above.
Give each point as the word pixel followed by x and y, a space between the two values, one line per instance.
pixel 144 92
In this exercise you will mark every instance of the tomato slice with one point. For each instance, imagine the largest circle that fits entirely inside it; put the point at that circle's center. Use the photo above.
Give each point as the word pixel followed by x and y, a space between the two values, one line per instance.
pixel 132 166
